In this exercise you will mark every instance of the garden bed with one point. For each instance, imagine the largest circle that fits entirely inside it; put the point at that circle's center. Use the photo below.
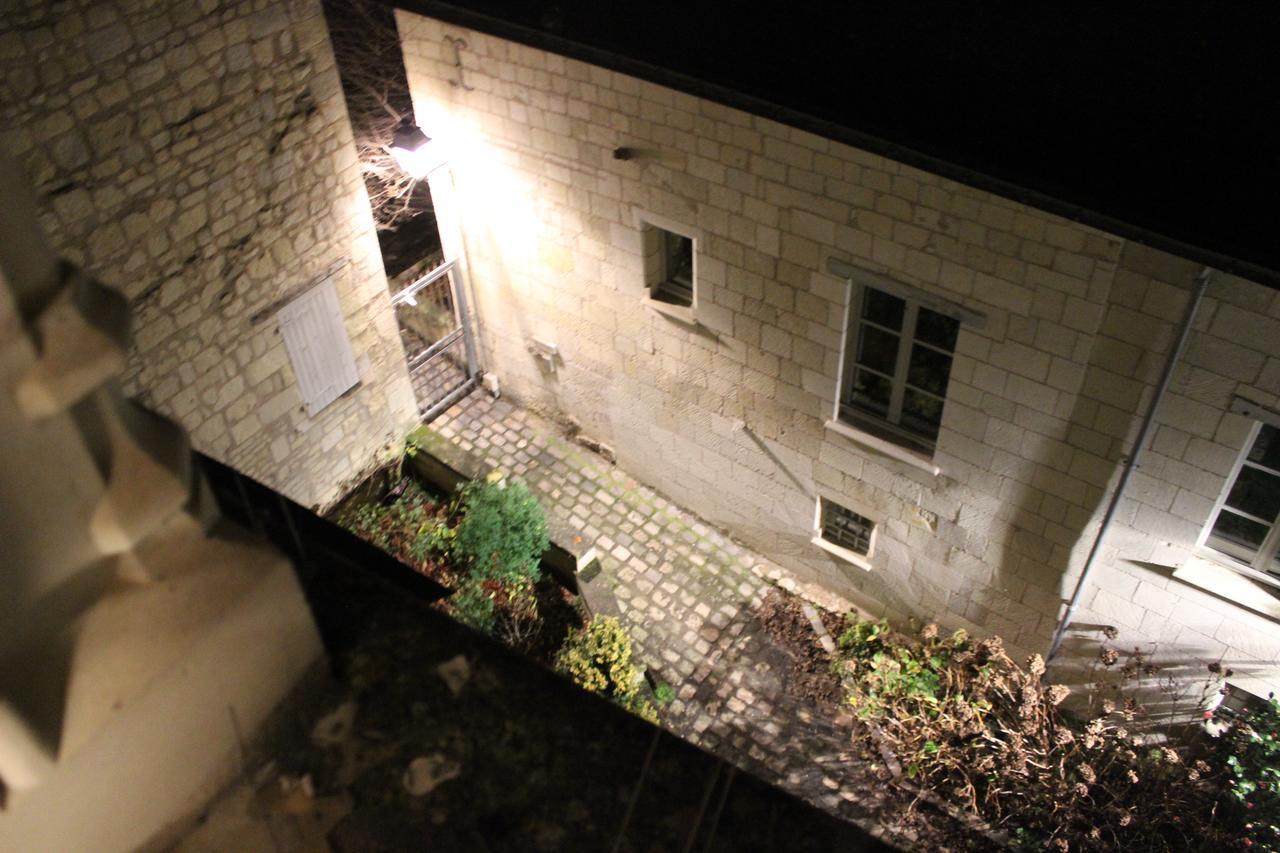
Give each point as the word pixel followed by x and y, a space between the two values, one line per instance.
pixel 956 726
pixel 487 540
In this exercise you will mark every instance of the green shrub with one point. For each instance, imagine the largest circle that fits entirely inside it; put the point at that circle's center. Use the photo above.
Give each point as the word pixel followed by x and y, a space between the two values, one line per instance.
pixel 664 694
pixel 502 533
pixel 598 659
pixel 409 529
pixel 1252 748
pixel 472 605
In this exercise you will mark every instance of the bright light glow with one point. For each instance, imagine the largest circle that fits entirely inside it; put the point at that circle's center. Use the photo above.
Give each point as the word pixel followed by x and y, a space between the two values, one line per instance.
pixel 416 154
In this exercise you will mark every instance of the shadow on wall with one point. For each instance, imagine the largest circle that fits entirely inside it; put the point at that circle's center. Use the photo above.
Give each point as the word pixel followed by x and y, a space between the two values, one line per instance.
pixel 1173 690
pixel 1035 561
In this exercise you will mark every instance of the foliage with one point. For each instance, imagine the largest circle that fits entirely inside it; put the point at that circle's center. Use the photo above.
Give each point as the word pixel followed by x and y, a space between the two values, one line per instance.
pixel 502 533
pixel 410 528
pixel 598 658
pixel 968 722
pixel 472 605
pixel 664 694
pixel 1252 753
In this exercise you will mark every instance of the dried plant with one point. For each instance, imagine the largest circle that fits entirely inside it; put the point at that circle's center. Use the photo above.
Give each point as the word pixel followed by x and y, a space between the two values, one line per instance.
pixel 968 722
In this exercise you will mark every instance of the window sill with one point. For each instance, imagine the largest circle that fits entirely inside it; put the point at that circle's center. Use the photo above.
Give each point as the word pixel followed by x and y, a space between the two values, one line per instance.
pixel 1210 576
pixel 843 553
pixel 680 313
pixel 887 448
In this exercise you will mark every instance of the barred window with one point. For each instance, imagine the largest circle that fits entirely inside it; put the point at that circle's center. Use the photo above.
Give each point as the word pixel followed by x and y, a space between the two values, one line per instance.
pixel 844 528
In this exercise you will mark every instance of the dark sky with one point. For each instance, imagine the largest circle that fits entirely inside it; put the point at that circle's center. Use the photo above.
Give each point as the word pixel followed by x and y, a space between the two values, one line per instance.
pixel 1165 121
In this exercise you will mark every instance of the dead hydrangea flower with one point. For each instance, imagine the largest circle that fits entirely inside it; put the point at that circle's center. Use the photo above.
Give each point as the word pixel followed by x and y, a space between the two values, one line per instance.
pixel 1035 665
pixel 1087 774
pixel 1057 693
pixel 1108 656
pixel 1110 632
pixel 929 631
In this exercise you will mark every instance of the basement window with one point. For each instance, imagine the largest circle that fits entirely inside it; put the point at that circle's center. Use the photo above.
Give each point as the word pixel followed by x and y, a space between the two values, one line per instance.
pixel 844 533
pixel 670 266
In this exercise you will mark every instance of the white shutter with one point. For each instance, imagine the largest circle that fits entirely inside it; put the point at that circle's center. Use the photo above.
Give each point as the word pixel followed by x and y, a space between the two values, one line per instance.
pixel 319 349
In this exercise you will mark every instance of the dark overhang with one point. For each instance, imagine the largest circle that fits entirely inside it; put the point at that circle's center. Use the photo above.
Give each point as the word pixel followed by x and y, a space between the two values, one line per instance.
pixel 1187 177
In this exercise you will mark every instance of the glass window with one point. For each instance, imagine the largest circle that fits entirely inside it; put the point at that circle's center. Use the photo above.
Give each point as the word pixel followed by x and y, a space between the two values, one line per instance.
pixel 897 366
pixel 846 529
pixel 1244 524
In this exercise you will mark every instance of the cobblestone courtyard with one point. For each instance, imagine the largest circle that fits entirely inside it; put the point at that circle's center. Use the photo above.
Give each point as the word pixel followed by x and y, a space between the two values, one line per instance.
pixel 687 595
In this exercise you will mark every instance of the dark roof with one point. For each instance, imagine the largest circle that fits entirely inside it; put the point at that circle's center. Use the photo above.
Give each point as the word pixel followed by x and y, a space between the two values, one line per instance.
pixel 1160 128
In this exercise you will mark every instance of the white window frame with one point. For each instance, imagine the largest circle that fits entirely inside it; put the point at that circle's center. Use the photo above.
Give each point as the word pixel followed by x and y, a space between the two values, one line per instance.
pixel 1271 544
pixel 644 220
pixel 880 434
pixel 862 561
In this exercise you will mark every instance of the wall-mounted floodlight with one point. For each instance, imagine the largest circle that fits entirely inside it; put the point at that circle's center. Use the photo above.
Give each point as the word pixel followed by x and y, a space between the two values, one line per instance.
pixel 415 152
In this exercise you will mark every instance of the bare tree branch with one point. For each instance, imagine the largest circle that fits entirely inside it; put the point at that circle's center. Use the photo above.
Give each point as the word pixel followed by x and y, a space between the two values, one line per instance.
pixel 366 46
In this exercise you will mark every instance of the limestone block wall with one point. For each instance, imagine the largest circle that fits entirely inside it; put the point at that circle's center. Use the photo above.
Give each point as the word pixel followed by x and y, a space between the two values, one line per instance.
pixel 727 414
pixel 198 157
pixel 1152 585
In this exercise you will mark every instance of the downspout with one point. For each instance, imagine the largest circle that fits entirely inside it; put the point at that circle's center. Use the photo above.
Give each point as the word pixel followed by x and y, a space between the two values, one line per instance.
pixel 1202 284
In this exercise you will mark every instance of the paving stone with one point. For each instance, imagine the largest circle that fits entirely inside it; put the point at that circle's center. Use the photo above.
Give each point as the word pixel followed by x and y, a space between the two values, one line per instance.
pixel 684 592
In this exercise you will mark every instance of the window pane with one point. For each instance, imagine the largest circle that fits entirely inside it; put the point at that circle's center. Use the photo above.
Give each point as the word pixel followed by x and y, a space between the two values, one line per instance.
pixel 877 349
pixel 921 414
pixel 846 528
pixel 871 392
pixel 1239 531
pixel 881 308
pixel 679 258
pixel 1266 448
pixel 937 329
pixel 929 370
pixel 1256 492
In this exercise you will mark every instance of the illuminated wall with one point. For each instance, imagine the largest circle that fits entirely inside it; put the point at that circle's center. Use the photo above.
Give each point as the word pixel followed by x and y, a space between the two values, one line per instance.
pixel 198 157
pixel 727 410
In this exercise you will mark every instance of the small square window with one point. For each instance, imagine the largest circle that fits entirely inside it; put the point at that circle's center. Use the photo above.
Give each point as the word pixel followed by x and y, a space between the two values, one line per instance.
pixel 845 529
pixel 668 265
pixel 896 367
pixel 1244 524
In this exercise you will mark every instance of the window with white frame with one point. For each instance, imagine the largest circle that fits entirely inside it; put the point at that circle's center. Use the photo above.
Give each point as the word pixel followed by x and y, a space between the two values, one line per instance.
pixel 1245 523
pixel 897 363
pixel 668 265
pixel 844 532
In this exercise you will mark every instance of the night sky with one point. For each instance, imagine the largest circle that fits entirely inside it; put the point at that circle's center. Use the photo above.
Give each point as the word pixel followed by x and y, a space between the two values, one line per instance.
pixel 1166 122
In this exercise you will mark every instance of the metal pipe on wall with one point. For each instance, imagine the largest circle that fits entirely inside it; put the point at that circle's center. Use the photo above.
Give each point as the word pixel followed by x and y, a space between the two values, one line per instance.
pixel 1202 284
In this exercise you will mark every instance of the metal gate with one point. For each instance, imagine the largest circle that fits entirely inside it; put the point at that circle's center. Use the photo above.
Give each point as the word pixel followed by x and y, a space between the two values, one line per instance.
pixel 436 330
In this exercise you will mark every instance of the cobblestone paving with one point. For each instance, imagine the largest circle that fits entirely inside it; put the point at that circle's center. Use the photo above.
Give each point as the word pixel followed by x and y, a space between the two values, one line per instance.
pixel 686 594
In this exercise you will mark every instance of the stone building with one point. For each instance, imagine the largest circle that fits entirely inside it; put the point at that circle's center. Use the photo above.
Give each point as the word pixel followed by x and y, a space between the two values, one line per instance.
pixel 197 156
pixel 912 392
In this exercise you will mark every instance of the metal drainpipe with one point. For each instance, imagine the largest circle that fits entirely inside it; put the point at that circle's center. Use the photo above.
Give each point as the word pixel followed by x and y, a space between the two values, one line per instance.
pixel 1139 446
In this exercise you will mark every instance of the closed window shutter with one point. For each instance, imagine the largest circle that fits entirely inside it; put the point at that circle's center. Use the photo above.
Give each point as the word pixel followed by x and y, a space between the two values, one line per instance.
pixel 316 339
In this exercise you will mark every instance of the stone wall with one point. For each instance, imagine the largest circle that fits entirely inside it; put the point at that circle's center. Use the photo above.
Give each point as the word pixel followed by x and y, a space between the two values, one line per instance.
pixel 727 414
pixel 198 157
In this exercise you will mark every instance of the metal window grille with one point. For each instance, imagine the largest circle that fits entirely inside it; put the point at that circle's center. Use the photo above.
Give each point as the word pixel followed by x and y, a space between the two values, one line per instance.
pixel 847 529
pixel 898 356
pixel 1245 523
pixel 315 337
